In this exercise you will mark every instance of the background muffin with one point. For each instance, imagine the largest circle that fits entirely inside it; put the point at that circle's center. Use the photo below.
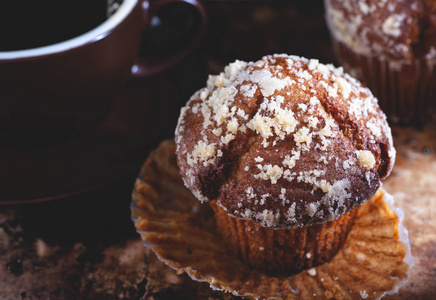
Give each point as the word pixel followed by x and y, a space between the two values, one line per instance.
pixel 284 142
pixel 390 46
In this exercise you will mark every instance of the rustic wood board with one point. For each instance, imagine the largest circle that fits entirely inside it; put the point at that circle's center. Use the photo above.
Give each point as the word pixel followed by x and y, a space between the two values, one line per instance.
pixel 413 185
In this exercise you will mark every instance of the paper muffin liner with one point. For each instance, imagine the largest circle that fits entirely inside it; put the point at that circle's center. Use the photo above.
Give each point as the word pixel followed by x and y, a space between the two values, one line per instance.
pixel 406 90
pixel 285 251
pixel 374 261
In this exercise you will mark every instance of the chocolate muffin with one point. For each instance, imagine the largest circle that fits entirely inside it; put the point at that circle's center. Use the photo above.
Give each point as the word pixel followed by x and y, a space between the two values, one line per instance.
pixel 284 149
pixel 391 47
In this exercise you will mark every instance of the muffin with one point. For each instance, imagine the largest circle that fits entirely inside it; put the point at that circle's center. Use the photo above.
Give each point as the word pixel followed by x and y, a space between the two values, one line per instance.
pixel 391 47
pixel 374 261
pixel 284 149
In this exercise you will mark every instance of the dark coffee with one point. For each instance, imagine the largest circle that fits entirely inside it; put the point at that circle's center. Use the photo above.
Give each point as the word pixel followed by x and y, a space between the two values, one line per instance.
pixel 34 23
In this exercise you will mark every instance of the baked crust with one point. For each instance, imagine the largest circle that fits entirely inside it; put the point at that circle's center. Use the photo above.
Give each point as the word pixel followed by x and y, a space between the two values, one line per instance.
pixel 285 142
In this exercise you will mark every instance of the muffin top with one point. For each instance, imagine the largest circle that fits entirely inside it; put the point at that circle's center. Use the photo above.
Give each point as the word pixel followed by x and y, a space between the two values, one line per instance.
pixel 396 29
pixel 285 142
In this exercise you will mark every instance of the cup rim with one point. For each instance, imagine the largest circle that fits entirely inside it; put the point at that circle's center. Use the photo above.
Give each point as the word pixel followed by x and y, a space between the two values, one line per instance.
pixel 93 35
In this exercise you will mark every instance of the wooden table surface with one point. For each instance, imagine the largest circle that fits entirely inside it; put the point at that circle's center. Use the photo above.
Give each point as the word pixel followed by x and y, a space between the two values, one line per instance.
pixel 413 185
pixel 85 246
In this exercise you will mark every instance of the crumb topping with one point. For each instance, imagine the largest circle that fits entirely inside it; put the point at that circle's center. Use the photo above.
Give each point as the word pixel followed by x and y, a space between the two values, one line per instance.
pixel 312 271
pixel 272 125
pixel 202 152
pixel 365 159
pixel 392 25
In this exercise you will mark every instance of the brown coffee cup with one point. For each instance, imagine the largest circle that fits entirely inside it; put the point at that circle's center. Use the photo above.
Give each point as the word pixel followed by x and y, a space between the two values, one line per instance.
pixel 56 91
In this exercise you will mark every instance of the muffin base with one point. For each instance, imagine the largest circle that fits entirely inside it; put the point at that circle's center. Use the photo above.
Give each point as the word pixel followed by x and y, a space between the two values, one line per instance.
pixel 374 261
pixel 286 251
pixel 405 89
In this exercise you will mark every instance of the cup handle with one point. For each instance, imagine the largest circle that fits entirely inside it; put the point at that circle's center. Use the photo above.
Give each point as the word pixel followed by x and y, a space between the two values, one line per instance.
pixel 143 67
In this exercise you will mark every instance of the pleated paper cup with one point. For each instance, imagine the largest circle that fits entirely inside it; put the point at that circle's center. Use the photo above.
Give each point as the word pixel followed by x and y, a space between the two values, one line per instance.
pixel 282 251
pixel 375 259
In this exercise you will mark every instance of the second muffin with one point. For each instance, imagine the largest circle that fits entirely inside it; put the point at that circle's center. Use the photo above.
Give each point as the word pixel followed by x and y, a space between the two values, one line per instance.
pixel 391 46
pixel 286 148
